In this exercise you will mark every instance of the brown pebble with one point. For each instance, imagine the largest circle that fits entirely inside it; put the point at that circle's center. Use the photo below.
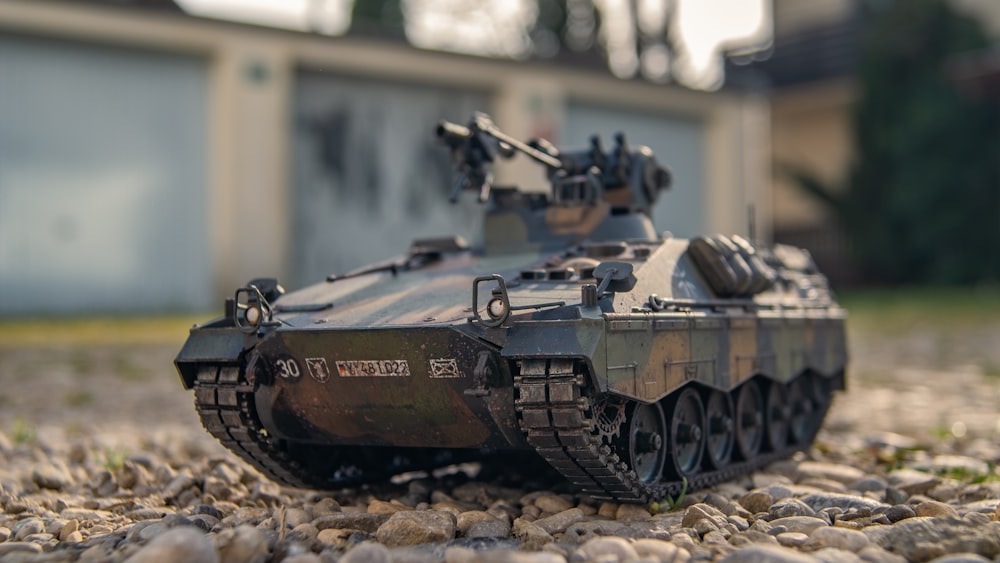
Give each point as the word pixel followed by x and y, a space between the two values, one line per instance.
pixel 935 509
pixel 757 501
pixel 632 513
pixel 608 509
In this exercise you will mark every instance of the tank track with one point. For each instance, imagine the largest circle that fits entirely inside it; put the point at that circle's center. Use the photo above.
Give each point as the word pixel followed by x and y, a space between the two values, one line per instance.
pixel 223 400
pixel 555 415
pixel 553 411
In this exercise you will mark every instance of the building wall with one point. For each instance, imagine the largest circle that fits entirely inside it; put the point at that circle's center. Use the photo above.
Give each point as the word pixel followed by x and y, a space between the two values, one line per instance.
pixel 792 16
pixel 810 132
pixel 263 88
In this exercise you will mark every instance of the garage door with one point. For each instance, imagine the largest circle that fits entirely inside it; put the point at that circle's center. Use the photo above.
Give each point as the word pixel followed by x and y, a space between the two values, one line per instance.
pixel 102 180
pixel 369 175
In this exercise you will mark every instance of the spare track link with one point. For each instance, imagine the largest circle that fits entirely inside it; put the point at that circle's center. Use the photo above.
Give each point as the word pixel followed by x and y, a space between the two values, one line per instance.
pixel 555 414
pixel 224 402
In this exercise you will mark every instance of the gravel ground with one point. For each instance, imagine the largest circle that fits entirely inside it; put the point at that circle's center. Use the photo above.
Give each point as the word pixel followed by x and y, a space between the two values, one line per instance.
pixel 102 458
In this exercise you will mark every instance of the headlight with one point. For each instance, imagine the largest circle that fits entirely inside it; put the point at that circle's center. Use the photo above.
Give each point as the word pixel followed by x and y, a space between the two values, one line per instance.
pixel 497 308
pixel 253 315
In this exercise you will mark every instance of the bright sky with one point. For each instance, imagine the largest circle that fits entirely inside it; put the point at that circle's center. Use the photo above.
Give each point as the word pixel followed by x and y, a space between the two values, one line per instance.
pixel 499 28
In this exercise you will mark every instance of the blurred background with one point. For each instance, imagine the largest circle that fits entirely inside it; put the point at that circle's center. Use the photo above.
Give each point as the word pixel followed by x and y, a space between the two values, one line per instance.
pixel 156 154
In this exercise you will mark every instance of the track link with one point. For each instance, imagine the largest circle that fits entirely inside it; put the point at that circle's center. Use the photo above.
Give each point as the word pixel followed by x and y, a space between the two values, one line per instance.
pixel 556 416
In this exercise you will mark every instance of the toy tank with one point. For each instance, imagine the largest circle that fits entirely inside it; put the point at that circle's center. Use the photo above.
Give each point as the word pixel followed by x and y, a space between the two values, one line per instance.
pixel 633 364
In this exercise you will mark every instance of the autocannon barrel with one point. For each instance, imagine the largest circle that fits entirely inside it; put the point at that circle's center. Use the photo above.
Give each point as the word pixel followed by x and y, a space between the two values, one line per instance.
pixel 452 134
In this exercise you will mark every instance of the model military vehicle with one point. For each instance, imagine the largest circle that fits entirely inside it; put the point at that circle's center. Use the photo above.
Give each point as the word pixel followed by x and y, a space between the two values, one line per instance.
pixel 633 363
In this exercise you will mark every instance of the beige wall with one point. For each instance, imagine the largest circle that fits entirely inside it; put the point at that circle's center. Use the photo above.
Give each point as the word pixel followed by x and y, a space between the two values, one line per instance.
pixel 249 136
pixel 810 130
pixel 791 16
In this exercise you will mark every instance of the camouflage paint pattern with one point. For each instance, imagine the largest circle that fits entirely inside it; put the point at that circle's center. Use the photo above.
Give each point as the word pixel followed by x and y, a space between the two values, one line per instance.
pixel 407 345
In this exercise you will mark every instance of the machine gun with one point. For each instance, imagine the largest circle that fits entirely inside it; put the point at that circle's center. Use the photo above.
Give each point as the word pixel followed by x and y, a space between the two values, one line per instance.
pixel 628 179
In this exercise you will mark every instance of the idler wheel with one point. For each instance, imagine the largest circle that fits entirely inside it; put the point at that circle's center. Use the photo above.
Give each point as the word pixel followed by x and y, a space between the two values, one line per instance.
pixel 721 426
pixel 687 433
pixel 777 415
pixel 749 420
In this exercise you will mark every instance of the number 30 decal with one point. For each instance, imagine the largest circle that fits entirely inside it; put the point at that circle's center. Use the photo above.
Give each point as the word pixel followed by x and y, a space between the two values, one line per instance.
pixel 288 368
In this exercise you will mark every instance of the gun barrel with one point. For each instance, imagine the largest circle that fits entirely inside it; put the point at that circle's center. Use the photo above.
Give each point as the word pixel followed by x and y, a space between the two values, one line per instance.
pixel 452 133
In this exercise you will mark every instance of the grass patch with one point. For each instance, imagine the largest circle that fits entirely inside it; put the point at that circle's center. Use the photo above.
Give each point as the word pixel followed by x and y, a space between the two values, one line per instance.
pixel 990 369
pixel 79 399
pixel 22 432
pixel 895 309
pixel 113 458
pixel 669 503
pixel 96 331
pixel 129 370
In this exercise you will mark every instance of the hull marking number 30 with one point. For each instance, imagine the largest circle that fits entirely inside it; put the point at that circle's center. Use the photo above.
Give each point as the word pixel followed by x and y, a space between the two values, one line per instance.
pixel 288 368
pixel 373 368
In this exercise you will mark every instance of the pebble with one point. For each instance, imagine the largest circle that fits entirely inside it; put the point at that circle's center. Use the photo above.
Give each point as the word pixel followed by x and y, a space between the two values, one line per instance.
pixel 819 501
pixel 559 522
pixel 699 512
pixel 899 512
pixel 351 520
pixel 605 549
pixel 836 537
pixel 12 547
pixel 834 555
pixel 925 538
pixel 790 507
pixel 632 513
pixel 242 543
pixel 368 552
pixel 417 527
pixel 179 544
pixel 51 477
pixel 935 509
pixel 495 528
pixel 661 551
pixel 961 558
pixel 791 539
pixel 757 501
pixel 844 474
pixel 756 553
pixel 802 524
pixel 531 535
pixel 552 503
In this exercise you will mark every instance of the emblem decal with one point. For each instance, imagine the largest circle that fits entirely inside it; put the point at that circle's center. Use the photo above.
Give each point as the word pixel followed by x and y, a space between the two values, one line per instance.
pixel 445 368
pixel 318 369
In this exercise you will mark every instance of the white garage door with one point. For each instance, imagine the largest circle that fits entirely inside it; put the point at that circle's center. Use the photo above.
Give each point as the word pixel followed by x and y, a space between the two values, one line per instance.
pixel 369 174
pixel 102 180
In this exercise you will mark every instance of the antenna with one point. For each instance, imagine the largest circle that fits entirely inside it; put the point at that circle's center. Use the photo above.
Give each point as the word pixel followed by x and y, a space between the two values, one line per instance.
pixel 751 223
